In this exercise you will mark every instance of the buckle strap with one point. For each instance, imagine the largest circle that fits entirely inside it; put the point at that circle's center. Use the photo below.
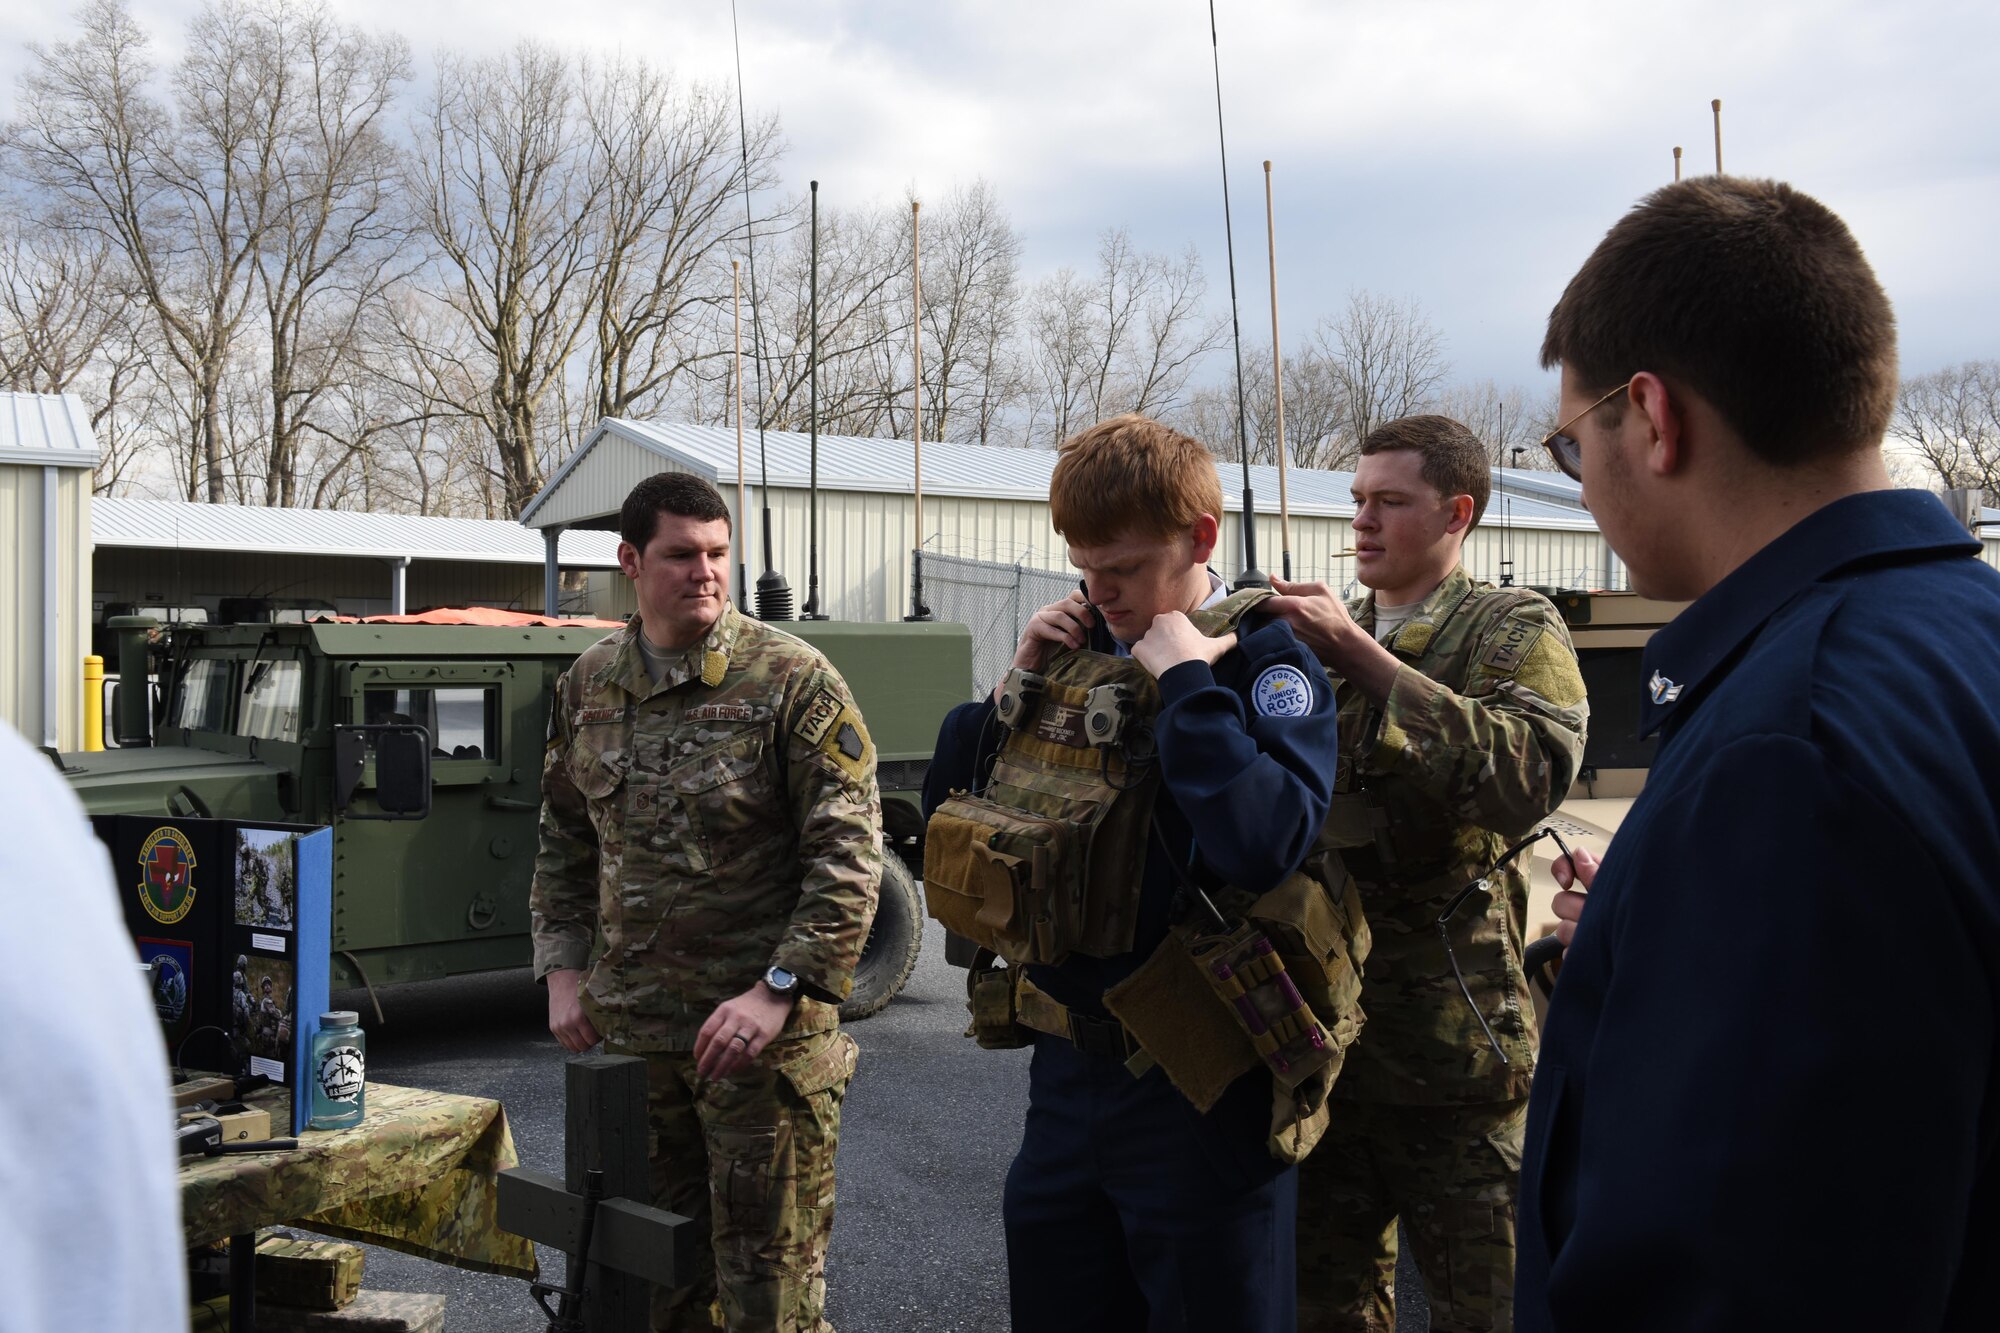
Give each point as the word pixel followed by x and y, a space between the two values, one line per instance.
pixel 1106 1038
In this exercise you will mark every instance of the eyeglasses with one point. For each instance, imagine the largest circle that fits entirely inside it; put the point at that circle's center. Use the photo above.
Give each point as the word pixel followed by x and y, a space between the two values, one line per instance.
pixel 1481 885
pixel 1564 448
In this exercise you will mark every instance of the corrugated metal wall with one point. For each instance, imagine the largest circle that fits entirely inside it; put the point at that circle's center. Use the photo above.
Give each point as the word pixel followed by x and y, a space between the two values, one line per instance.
pixel 356 585
pixel 26 624
pixel 865 538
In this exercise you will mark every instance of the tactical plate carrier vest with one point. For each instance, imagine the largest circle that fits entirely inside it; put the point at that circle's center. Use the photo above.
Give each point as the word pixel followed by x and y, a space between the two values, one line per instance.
pixel 1048 860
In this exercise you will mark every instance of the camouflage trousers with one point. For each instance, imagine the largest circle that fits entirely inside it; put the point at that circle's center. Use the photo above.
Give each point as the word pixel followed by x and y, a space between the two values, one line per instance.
pixel 1450 1173
pixel 752 1157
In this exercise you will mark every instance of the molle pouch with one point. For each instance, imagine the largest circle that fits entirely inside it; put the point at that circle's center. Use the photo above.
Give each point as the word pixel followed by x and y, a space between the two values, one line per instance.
pixel 990 995
pixel 1245 970
pixel 1322 936
pixel 1001 877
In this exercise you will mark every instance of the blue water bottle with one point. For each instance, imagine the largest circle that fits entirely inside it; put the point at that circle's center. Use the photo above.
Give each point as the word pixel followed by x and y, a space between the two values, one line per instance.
pixel 339 1070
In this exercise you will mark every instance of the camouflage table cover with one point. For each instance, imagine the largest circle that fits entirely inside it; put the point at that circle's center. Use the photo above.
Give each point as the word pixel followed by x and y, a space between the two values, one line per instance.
pixel 419 1175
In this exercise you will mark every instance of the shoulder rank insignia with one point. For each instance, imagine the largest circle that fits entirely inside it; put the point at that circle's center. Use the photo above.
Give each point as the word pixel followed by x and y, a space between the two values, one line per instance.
pixel 714 666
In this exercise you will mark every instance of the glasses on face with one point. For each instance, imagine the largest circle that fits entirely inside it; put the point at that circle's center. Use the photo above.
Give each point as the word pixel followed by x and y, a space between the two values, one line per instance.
pixel 1481 885
pixel 1564 448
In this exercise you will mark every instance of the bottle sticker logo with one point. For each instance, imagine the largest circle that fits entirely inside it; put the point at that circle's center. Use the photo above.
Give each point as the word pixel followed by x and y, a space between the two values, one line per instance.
pixel 340 1076
pixel 166 888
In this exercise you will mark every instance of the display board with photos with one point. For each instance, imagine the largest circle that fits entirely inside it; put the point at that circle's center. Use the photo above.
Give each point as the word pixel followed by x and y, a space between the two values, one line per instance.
pixel 237 919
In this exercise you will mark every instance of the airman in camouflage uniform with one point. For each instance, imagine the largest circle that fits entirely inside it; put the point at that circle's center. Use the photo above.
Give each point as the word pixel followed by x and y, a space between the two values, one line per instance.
pixel 718 824
pixel 1478 740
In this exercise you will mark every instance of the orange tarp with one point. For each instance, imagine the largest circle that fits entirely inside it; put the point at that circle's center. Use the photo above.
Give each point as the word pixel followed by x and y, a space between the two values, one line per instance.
pixel 482 615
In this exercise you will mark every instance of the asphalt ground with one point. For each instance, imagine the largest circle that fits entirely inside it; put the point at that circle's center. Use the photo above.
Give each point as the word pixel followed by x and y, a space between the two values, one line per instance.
pixel 928 1128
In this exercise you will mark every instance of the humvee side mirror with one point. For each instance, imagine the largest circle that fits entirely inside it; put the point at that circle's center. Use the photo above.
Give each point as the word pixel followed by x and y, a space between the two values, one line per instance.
pixel 402 770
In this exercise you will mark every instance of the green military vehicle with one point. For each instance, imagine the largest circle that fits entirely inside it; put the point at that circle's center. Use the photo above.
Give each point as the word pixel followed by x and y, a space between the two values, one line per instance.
pixel 421 746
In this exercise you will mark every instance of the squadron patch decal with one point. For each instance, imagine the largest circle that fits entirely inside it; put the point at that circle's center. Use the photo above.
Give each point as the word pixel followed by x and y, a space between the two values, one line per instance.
pixel 166 884
pixel 1282 691
pixel 818 718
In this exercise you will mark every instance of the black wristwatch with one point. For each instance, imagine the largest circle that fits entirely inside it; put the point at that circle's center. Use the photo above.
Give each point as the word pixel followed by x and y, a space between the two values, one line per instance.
pixel 781 981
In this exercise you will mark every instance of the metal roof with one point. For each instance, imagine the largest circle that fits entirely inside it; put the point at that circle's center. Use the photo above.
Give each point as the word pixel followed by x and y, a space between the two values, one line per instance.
pixel 979 471
pixel 47 430
pixel 174 524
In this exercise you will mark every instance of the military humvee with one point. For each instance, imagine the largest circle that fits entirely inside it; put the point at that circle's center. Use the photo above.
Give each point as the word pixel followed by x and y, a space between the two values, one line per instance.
pixel 421 746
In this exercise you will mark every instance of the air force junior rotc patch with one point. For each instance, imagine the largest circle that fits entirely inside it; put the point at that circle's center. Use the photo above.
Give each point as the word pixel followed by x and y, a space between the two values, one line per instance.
pixel 1282 691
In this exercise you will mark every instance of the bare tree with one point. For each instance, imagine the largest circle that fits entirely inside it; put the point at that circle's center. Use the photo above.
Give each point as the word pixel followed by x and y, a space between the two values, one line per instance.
pixel 1509 421
pixel 673 173
pixel 185 193
pixel 1950 419
pixel 335 241
pixel 507 186
pixel 1389 360
pixel 1127 339
pixel 971 261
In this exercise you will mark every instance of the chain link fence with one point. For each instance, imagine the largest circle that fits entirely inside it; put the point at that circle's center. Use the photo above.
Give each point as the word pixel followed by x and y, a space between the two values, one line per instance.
pixel 994 600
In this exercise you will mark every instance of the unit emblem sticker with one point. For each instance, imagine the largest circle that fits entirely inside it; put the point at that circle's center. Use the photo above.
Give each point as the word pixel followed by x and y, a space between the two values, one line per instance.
pixel 1282 691
pixel 173 964
pixel 166 875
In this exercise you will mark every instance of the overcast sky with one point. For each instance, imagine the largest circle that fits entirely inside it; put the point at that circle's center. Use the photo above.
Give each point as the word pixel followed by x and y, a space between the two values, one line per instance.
pixel 1465 154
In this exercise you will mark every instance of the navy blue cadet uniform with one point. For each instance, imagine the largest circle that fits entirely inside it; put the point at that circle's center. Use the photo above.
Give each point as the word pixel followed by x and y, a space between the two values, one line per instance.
pixel 1125 1209
pixel 1767 1095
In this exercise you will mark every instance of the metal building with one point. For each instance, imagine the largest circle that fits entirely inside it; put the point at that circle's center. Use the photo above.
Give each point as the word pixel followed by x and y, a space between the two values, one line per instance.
pixel 157 553
pixel 47 457
pixel 990 502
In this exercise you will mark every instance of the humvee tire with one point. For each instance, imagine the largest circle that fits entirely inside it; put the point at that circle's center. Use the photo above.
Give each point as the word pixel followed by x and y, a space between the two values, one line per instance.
pixel 893 941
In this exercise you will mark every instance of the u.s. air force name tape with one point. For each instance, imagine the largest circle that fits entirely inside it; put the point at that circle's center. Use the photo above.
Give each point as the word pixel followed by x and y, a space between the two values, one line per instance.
pixel 1282 691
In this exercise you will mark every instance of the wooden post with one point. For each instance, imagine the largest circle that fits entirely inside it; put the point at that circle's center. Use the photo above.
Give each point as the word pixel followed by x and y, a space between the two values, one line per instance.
pixel 633 1245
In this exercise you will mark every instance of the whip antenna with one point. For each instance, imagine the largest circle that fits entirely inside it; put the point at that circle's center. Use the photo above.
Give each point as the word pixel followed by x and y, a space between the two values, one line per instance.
pixel 918 611
pixel 812 609
pixel 742 514
pixel 1278 376
pixel 1506 508
pixel 1677 161
pixel 1251 577
pixel 1716 107
pixel 774 595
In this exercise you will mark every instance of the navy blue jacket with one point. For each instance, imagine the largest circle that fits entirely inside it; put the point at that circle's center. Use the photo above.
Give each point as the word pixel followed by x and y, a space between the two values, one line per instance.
pixel 1243 796
pixel 1766 1095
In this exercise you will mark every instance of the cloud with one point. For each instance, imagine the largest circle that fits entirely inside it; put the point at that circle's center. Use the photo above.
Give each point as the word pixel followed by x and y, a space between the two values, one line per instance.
pixel 1461 152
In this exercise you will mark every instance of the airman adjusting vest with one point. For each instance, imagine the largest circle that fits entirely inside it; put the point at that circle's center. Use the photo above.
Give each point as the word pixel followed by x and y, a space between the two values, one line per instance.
pixel 1047 860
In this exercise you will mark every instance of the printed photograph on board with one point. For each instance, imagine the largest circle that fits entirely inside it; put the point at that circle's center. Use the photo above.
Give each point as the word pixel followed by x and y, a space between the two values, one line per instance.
pixel 260 1011
pixel 267 878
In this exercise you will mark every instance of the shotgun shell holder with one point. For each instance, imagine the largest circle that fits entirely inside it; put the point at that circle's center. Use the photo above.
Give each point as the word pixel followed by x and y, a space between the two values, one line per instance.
pixel 1246 972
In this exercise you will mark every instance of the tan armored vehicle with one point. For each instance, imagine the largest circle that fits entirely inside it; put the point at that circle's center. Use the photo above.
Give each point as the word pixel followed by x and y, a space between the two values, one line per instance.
pixel 1610 630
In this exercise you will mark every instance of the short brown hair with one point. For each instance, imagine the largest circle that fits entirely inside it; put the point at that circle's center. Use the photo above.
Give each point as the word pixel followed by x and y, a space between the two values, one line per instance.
pixel 1131 475
pixel 1750 293
pixel 681 494
pixel 1454 460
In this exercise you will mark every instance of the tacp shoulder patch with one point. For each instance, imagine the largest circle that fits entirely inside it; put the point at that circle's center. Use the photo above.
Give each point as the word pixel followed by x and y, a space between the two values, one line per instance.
pixel 821 711
pixel 1510 645
pixel 1282 691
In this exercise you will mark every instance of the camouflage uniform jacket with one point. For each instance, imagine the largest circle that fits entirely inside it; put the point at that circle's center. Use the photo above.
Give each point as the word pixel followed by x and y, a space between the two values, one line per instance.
pixel 711 826
pixel 1480 739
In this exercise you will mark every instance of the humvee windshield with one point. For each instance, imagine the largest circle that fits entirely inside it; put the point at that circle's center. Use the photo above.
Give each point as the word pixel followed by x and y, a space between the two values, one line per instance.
pixel 205 699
